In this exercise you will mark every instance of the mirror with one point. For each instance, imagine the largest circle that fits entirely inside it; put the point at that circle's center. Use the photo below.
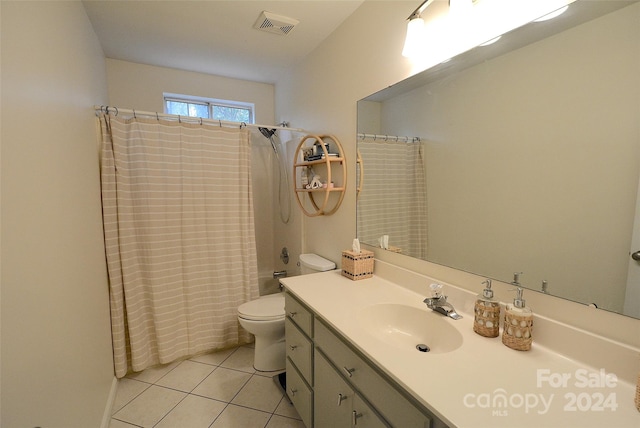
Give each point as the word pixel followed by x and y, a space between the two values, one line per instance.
pixel 528 158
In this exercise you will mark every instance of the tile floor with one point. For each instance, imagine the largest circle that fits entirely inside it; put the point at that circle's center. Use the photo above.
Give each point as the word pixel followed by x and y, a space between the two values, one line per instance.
pixel 217 390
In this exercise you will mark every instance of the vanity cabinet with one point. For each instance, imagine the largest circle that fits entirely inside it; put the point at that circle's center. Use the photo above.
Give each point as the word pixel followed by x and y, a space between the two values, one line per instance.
pixel 395 407
pixel 334 386
pixel 298 327
pixel 337 404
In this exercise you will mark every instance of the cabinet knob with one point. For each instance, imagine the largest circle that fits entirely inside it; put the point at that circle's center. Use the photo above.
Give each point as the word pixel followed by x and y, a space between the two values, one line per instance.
pixel 341 398
pixel 293 392
pixel 292 314
pixel 356 415
pixel 292 347
pixel 349 371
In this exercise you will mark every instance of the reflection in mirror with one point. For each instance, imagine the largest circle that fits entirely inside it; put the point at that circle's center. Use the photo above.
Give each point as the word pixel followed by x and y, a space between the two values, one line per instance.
pixel 528 161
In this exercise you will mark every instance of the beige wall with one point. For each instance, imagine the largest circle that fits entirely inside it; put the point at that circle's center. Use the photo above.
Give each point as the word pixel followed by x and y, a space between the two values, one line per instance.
pixel 320 95
pixel 139 86
pixel 56 361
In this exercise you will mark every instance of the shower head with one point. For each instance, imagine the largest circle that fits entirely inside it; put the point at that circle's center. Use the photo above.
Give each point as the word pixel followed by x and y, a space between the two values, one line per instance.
pixel 267 132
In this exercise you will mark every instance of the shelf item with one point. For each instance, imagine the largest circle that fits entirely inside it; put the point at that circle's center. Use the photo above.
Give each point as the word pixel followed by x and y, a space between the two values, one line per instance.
pixel 324 155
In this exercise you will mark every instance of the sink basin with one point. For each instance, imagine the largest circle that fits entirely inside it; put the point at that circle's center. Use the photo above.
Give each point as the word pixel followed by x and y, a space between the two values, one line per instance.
pixel 406 327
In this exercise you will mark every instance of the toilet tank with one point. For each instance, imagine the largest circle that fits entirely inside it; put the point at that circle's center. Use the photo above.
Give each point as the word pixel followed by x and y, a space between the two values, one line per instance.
pixel 311 263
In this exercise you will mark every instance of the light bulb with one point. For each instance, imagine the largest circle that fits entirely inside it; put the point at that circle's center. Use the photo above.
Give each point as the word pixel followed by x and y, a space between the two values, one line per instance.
pixel 415 32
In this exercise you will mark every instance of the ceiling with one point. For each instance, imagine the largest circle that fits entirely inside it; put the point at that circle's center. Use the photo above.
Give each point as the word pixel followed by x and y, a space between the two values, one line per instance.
pixel 213 36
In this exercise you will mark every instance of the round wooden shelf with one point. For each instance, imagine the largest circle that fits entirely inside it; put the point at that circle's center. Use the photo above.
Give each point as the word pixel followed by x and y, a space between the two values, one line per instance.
pixel 321 203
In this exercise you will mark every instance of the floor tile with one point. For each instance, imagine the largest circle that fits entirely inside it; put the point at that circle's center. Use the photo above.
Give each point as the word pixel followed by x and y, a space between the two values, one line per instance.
pixel 222 384
pixel 214 380
pixel 186 376
pixel 119 424
pixel 260 393
pixel 282 422
pixel 236 416
pixel 128 389
pixel 193 412
pixel 241 359
pixel 286 409
pixel 214 358
pixel 150 407
pixel 153 374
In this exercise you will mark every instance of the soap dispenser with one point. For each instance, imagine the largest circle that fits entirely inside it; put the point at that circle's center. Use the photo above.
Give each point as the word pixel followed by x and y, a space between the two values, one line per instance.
pixel 518 324
pixel 486 321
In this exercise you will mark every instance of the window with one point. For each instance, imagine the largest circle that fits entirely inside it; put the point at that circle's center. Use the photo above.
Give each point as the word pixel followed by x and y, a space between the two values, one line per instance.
pixel 208 108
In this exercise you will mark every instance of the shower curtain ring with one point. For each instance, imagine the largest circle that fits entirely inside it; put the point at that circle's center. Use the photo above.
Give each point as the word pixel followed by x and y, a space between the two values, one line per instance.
pixel 116 110
pixel 200 121
pixel 220 123
pixel 157 117
pixel 134 114
pixel 242 125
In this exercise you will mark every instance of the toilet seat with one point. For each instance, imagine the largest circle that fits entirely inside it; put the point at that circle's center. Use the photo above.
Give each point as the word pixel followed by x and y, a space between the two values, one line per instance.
pixel 267 308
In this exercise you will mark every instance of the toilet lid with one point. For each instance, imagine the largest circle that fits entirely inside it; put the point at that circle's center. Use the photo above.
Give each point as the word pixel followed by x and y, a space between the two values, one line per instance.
pixel 263 309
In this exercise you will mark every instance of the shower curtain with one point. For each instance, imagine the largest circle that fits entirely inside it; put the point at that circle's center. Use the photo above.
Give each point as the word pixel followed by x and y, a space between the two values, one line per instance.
pixel 393 199
pixel 179 236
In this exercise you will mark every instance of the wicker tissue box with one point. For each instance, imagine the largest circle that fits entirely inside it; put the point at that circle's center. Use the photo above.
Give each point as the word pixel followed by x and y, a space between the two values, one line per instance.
pixel 357 266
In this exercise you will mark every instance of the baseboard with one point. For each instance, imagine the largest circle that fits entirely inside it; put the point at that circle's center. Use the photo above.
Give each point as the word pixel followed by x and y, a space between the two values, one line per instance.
pixel 108 410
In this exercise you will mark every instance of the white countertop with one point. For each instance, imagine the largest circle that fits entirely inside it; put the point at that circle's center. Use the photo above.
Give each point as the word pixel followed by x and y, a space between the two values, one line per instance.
pixel 464 387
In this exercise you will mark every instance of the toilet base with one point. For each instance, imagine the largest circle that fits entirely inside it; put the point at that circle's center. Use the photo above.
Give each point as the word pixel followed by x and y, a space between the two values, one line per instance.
pixel 269 356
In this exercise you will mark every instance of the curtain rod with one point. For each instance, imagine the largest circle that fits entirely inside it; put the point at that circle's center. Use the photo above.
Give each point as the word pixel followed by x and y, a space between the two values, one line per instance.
pixel 389 138
pixel 189 119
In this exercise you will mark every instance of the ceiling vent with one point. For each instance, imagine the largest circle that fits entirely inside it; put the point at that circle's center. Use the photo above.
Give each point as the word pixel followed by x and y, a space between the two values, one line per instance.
pixel 276 24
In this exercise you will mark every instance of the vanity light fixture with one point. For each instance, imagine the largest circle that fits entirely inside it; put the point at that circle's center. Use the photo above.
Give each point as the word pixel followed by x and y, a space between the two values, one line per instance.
pixel 415 29
pixel 553 14
pixel 415 26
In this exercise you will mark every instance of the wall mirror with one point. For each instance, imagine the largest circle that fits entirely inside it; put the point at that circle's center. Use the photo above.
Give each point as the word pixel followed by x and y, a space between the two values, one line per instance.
pixel 519 156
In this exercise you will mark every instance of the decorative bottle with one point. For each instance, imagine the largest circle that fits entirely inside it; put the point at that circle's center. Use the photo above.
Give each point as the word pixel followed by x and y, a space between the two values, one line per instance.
pixel 518 324
pixel 304 177
pixel 486 321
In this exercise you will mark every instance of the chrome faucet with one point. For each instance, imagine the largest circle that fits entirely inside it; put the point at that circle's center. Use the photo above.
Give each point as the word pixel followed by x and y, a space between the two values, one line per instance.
pixel 438 303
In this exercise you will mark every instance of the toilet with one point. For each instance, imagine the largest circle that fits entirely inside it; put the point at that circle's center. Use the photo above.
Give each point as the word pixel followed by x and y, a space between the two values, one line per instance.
pixel 264 318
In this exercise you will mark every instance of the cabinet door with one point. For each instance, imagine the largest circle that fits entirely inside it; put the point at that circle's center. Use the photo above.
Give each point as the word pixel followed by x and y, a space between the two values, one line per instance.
pixel 299 350
pixel 297 313
pixel 300 394
pixel 333 398
pixel 390 403
pixel 364 416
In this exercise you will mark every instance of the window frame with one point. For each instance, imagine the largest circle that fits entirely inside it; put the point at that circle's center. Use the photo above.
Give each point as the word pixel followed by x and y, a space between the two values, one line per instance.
pixel 211 103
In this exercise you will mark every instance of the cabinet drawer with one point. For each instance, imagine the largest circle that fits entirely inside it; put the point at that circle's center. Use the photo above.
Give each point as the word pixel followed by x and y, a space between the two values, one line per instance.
pixel 300 394
pixel 336 404
pixel 333 397
pixel 391 404
pixel 299 350
pixel 300 315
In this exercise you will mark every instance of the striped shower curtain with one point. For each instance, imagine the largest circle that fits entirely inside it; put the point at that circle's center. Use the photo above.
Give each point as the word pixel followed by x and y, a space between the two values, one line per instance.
pixel 393 199
pixel 179 237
